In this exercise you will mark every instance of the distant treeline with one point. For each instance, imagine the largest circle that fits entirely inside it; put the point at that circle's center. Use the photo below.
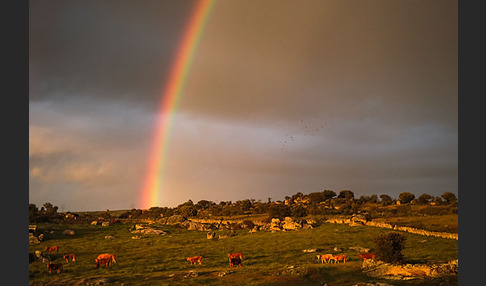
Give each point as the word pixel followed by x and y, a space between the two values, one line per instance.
pixel 299 205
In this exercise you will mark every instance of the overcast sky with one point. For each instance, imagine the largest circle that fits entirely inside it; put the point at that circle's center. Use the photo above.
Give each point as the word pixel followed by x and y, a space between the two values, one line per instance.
pixel 282 97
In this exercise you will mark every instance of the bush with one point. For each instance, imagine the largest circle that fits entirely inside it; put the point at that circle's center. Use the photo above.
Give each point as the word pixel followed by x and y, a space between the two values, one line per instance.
pixel 389 247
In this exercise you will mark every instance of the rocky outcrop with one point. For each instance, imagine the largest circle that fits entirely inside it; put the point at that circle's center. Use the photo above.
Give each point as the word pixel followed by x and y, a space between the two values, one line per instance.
pixel 377 268
pixel 34 239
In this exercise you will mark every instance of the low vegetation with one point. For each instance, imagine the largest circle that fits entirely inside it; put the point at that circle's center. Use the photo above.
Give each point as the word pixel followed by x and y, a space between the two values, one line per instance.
pixel 269 258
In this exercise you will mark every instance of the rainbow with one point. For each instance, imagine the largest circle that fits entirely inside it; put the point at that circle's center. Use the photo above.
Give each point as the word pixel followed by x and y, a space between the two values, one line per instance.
pixel 152 185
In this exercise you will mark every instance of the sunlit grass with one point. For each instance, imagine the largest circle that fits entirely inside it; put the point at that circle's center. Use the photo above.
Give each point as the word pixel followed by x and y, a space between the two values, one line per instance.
pixel 266 256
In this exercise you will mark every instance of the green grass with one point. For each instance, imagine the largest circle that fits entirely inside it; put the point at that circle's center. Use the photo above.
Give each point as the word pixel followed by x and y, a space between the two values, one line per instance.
pixel 266 256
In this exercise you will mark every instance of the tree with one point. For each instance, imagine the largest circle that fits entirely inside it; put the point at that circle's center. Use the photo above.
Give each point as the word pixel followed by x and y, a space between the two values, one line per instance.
pixel 373 199
pixel 298 211
pixel 316 197
pixel 33 213
pixel 328 194
pixel 187 210
pixel 385 199
pixel 449 197
pixel 424 199
pixel 389 247
pixel 279 211
pixel 406 197
pixel 346 194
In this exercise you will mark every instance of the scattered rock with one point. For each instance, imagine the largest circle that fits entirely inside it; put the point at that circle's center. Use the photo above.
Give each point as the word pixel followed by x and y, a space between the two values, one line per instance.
pixel 68 232
pixel 360 249
pixel 290 224
pixel 211 235
pixel 33 239
pixel 150 231
pixel 192 274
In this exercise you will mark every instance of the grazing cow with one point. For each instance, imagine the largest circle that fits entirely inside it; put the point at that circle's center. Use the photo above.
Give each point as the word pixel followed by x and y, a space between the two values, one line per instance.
pixel 107 256
pixel 69 256
pixel 325 257
pixel 233 255
pixel 367 256
pixel 54 267
pixel 235 261
pixel 52 248
pixel 339 257
pixel 103 261
pixel 195 259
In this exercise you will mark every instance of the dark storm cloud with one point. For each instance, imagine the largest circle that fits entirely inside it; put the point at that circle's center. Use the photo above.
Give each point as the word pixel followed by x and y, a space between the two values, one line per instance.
pixel 103 49
pixel 282 97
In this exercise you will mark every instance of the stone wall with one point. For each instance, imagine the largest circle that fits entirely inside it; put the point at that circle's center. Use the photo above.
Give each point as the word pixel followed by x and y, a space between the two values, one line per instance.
pixel 352 222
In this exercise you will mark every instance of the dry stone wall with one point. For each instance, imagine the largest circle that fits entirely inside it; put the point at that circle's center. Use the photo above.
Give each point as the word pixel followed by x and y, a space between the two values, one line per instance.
pixel 352 222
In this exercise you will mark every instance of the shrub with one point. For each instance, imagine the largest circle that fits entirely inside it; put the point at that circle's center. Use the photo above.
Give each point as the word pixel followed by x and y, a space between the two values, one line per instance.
pixel 389 247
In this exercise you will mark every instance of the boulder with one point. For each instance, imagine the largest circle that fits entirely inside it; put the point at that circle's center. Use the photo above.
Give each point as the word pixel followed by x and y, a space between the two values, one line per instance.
pixel 290 224
pixel 68 232
pixel 210 235
pixel 175 219
pixel 360 249
pixel 33 239
pixel 150 231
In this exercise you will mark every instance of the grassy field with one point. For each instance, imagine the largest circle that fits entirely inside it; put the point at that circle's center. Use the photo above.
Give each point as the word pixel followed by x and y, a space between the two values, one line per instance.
pixel 269 258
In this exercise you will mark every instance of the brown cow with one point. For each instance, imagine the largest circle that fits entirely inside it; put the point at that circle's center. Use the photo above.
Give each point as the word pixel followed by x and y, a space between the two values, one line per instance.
pixel 195 259
pixel 367 256
pixel 235 261
pixel 69 256
pixel 325 257
pixel 103 261
pixel 234 255
pixel 54 267
pixel 339 257
pixel 107 256
pixel 52 248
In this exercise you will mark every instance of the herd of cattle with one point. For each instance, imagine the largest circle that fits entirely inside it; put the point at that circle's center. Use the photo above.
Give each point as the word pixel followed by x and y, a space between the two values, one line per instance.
pixel 102 259
pixel 233 258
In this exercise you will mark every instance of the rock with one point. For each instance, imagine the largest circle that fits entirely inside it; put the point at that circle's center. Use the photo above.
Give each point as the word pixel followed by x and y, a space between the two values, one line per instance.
pixel 105 223
pixel 38 254
pixel 360 249
pixel 68 232
pixel 136 237
pixel 210 235
pixel 337 249
pixel 33 239
pixel 139 226
pixel 290 224
pixel 380 269
pixel 33 228
pixel 94 222
pixel 109 237
pixel 192 274
pixel 150 231
pixel 175 219
pixel 309 250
